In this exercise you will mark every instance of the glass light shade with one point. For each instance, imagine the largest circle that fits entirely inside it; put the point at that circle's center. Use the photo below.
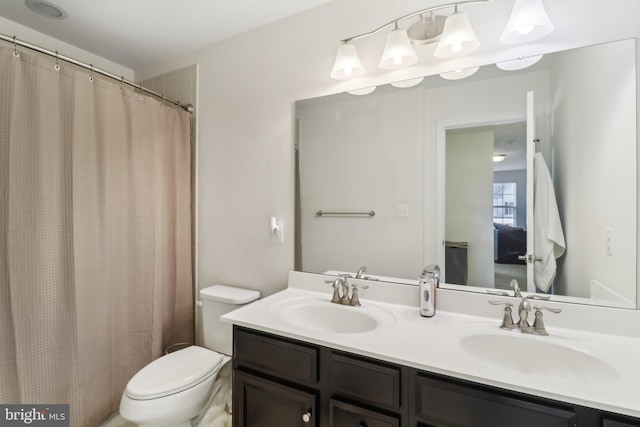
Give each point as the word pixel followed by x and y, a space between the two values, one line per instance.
pixel 459 74
pixel 518 64
pixel 348 64
pixel 398 51
pixel 363 91
pixel 499 157
pixel 528 21
pixel 458 38
pixel 403 84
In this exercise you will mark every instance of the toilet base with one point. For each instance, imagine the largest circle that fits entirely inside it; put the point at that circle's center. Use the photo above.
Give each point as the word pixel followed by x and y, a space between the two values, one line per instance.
pixel 183 409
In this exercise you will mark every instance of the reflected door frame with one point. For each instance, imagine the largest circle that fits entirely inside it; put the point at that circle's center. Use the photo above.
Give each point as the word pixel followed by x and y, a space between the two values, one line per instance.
pixel 440 165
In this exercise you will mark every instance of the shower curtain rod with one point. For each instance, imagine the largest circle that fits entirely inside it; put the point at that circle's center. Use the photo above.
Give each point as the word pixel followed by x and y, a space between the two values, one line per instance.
pixel 188 108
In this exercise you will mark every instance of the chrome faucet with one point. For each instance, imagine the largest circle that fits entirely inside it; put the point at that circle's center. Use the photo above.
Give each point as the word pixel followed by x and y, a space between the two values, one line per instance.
pixel 341 292
pixel 360 272
pixel 516 289
pixel 523 312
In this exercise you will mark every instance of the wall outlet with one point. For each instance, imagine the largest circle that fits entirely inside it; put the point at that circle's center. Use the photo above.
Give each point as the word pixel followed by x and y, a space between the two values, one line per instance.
pixel 402 210
pixel 609 240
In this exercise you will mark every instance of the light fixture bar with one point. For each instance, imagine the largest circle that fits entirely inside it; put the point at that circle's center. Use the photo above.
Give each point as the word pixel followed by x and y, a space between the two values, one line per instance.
pixel 411 15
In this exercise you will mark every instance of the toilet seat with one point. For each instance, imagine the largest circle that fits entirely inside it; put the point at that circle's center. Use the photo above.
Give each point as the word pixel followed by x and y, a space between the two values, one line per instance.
pixel 174 372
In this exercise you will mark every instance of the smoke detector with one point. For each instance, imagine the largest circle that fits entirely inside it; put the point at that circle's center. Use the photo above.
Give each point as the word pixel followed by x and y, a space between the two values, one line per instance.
pixel 46 8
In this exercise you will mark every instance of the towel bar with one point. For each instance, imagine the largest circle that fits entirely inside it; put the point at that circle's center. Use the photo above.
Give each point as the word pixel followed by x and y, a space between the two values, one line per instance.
pixel 369 214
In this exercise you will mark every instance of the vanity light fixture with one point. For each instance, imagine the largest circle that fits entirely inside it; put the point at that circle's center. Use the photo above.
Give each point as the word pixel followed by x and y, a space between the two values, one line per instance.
pixel 518 63
pixel 499 157
pixel 459 74
pixel 348 64
pixel 528 21
pixel 458 38
pixel 398 52
pixel 454 35
pixel 426 30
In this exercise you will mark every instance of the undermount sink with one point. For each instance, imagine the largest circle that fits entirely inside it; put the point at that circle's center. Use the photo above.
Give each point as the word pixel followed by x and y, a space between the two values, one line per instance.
pixel 533 355
pixel 324 316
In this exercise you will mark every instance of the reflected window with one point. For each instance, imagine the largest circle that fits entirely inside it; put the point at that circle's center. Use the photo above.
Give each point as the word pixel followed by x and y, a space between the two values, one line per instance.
pixel 504 203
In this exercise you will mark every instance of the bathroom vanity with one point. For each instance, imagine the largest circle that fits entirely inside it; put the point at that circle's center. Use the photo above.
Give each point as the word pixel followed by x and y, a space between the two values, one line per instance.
pixel 283 382
pixel 413 371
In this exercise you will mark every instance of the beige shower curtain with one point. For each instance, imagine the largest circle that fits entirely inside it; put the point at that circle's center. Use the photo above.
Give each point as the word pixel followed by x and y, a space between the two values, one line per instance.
pixel 95 235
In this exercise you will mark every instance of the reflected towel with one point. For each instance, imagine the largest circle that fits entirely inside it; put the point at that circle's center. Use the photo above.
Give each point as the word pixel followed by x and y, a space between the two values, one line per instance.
pixel 548 237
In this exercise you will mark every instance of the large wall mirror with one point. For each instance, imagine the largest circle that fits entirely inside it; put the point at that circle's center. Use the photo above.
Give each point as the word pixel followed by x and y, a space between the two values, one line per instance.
pixel 526 174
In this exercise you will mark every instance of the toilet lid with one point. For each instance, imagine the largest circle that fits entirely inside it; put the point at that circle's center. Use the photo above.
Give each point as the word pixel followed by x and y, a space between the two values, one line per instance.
pixel 174 372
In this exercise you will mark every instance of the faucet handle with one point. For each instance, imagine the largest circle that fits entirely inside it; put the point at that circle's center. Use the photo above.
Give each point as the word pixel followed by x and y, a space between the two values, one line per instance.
pixel 355 301
pixel 538 323
pixel 507 319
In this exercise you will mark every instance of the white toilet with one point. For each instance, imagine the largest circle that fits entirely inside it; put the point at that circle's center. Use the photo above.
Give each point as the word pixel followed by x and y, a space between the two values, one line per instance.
pixel 175 389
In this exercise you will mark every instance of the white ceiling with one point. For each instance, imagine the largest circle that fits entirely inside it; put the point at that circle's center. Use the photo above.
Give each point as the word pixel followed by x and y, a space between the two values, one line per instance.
pixel 136 32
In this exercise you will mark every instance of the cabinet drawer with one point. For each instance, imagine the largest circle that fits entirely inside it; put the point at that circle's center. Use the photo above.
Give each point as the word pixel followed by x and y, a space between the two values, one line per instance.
pixel 612 423
pixel 276 356
pixel 345 415
pixel 363 380
pixel 448 403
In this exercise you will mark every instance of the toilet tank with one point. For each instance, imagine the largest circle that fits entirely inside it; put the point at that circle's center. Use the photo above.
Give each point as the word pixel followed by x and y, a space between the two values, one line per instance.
pixel 216 301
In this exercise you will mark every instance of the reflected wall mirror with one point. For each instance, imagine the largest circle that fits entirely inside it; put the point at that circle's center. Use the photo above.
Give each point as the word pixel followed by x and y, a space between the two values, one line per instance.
pixel 401 178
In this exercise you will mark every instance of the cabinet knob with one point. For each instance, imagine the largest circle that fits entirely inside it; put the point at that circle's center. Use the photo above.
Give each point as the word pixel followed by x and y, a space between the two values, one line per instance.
pixel 306 417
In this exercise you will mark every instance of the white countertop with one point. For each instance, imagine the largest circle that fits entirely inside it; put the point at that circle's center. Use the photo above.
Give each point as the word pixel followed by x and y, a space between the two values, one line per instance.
pixel 433 344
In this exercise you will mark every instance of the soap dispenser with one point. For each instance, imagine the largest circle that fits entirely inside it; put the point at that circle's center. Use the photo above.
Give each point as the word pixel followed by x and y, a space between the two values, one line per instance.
pixel 429 281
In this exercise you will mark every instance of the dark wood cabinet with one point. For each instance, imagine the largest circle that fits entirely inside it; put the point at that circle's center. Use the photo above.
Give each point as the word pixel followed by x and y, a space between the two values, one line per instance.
pixel 261 403
pixel 441 402
pixel 280 382
pixel 275 356
pixel 608 422
pixel 345 415
pixel 374 383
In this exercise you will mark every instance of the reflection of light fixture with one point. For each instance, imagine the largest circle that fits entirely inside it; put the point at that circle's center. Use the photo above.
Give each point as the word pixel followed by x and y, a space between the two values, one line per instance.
pixel 528 21
pixel 499 157
pixel 457 37
pixel 398 52
pixel 348 64
pixel 454 34
pixel 459 74
pixel 408 83
pixel 363 91
pixel 519 63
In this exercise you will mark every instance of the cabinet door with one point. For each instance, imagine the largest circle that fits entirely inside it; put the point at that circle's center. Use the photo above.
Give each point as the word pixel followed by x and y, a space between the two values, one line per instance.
pixel 261 403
